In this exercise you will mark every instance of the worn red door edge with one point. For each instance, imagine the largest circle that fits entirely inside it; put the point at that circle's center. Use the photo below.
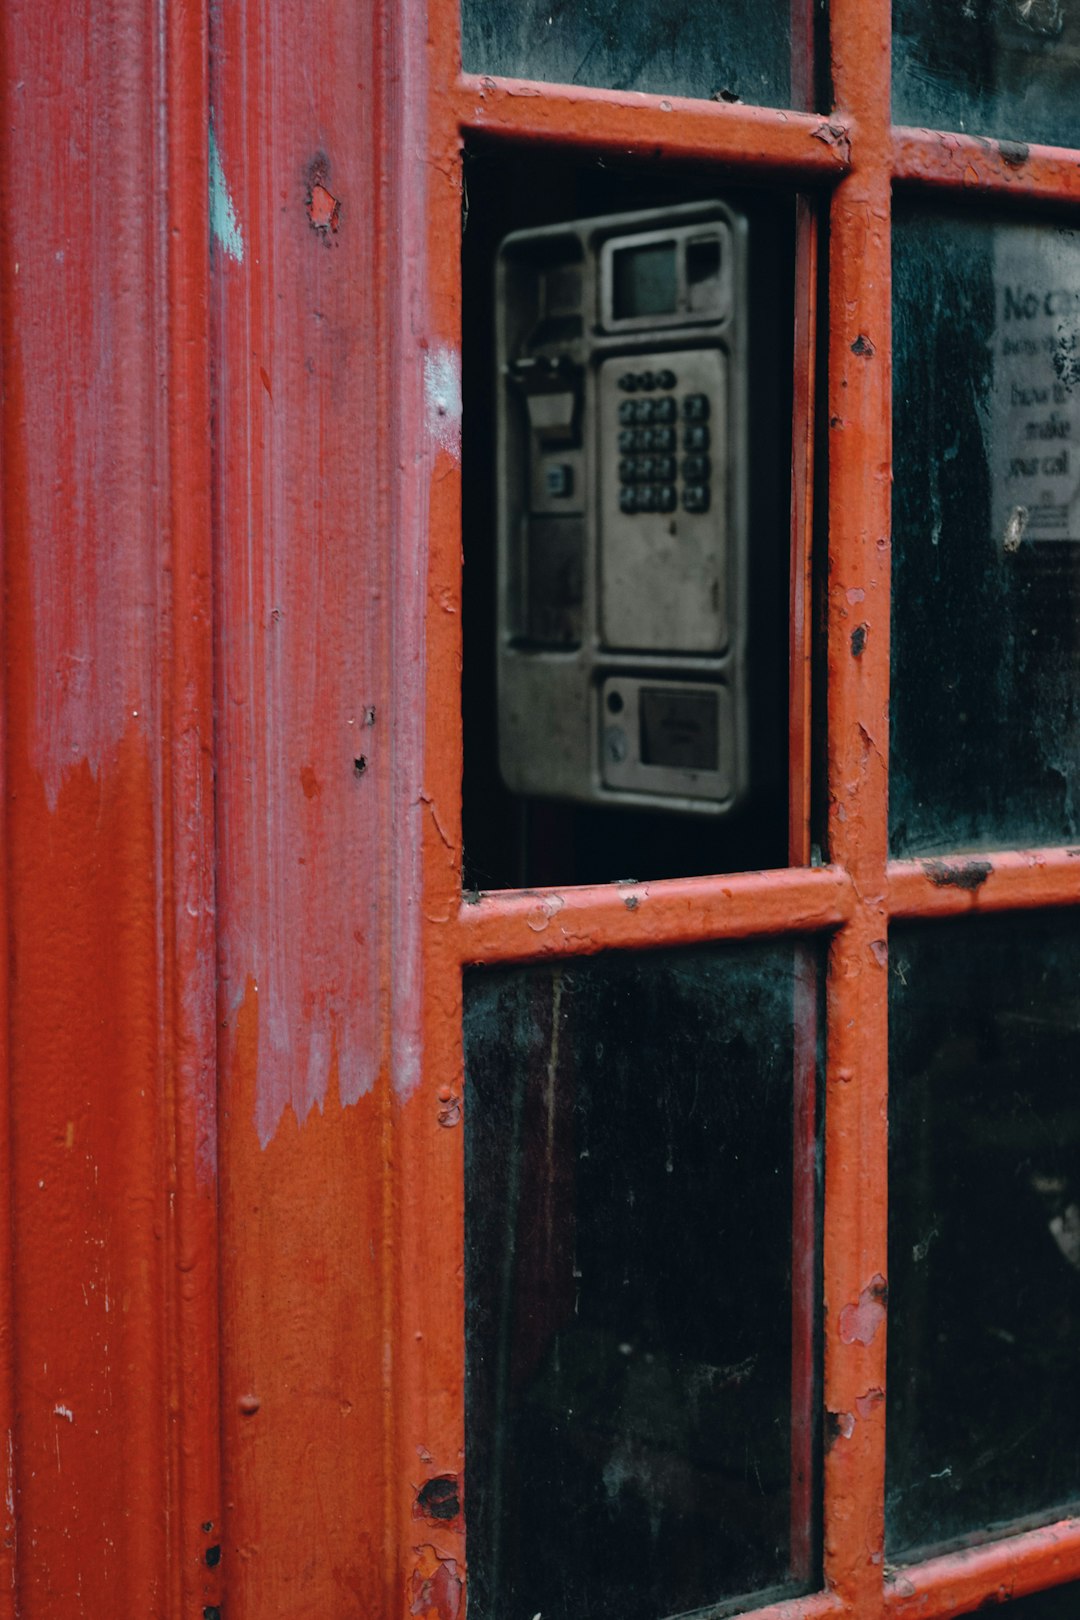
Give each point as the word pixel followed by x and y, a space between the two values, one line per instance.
pixel 109 1297
pixel 336 531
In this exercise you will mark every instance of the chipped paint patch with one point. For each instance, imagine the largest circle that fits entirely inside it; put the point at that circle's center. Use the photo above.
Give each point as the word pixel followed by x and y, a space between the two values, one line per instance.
pixel 442 399
pixel 436 1586
pixel 866 1404
pixel 970 875
pixel 60 1410
pixel 859 1323
pixel 549 907
pixel 224 225
pixel 839 1426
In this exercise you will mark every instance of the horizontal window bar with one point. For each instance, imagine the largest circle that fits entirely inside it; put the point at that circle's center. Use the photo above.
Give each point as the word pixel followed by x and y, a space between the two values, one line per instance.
pixel 528 925
pixel 973 163
pixel 808 146
pixel 948 885
pixel 982 1577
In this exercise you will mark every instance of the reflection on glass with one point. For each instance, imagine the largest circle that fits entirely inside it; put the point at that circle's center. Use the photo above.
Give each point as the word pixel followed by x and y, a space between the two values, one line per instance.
pixel 1009 68
pixel 740 51
pixel 985 708
pixel 629 1221
pixel 984 1226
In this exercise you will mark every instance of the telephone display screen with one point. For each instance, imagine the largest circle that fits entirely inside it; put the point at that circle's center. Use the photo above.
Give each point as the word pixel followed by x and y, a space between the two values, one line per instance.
pixel 645 281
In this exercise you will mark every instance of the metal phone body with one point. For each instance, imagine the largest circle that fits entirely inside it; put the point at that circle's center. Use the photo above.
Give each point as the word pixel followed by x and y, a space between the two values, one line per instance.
pixel 621 447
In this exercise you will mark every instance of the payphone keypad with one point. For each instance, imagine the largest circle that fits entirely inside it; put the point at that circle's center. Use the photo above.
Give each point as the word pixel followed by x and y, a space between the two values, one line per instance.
pixel 663 518
pixel 649 423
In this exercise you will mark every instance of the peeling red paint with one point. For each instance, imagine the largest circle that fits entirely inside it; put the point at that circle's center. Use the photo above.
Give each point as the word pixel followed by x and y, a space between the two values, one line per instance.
pixel 436 1586
pixel 323 208
pixel 866 1405
pixel 859 1323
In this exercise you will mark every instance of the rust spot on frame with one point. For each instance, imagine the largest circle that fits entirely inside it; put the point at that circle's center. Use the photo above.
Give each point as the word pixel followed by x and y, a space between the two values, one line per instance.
pixel 862 345
pixel 970 875
pixel 1014 153
pixel 858 640
pixel 438 1499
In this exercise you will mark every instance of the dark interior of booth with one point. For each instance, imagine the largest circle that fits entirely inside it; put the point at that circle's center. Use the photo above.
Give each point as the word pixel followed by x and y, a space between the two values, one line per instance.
pixel 512 841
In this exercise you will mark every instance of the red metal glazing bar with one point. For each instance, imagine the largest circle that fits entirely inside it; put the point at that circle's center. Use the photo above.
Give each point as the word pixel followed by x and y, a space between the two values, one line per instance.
pixel 805 1267
pixel 531 925
pixel 189 1034
pixel 802 524
pixel 951 885
pixel 747 139
pixel 804 1262
pixel 975 163
pixel 8 1522
pixel 982 1577
pixel 856 1158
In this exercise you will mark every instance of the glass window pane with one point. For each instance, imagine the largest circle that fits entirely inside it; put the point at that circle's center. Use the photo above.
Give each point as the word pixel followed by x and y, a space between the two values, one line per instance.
pixel 629 1237
pixel 1058 1603
pixel 985 702
pixel 1009 68
pixel 739 51
pixel 984 1246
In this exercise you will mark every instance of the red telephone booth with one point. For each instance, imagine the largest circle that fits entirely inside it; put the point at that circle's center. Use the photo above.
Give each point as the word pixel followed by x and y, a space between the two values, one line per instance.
pixel 653 1188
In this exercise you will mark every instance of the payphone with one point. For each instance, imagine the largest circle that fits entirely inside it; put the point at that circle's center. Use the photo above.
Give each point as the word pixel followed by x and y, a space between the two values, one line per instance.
pixel 621 446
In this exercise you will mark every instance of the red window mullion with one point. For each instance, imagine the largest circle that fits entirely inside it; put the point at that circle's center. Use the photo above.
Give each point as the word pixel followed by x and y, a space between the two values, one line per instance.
pixel 859 440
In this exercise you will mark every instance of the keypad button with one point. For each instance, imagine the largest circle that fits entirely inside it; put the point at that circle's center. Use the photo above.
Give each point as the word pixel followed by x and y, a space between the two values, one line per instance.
pixel 696 469
pixel 695 498
pixel 628 410
pixel 663 438
pixel 665 498
pixel 665 467
pixel 628 498
pixel 643 468
pixel 666 379
pixel 695 437
pixel 664 410
pixel 695 407
pixel 643 438
pixel 627 437
pixel 559 478
pixel 646 380
pixel 645 409
pixel 647 498
pixel 627 469
pixel 628 382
